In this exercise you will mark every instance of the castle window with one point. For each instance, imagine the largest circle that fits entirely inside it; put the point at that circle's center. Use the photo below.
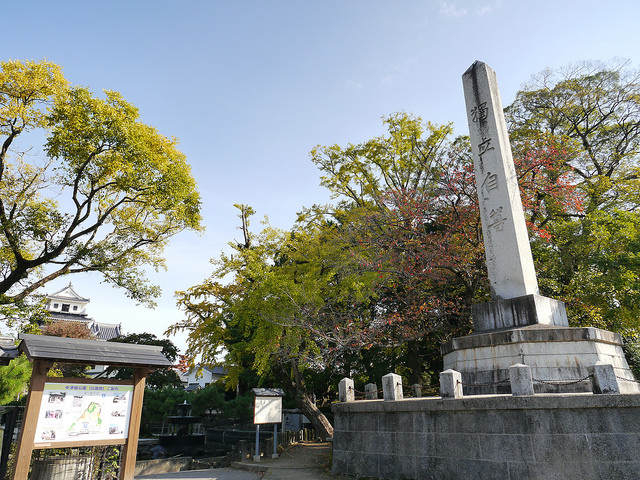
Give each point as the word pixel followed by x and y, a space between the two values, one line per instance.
pixel 75 307
pixel 65 307
pixel 55 305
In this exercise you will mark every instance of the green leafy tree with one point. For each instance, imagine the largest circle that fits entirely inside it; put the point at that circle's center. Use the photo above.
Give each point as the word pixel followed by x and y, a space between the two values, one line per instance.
pixel 14 380
pixel 592 110
pixel 24 316
pixel 158 378
pixel 281 311
pixel 208 398
pixel 157 404
pixel 596 106
pixel 106 195
pixel 407 213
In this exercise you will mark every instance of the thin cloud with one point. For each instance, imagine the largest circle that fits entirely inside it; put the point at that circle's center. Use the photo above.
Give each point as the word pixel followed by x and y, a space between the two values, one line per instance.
pixel 488 8
pixel 484 10
pixel 353 85
pixel 454 9
pixel 450 9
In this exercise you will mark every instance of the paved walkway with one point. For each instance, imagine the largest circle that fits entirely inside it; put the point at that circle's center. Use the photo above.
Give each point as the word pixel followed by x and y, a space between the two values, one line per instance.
pixel 301 461
pixel 211 474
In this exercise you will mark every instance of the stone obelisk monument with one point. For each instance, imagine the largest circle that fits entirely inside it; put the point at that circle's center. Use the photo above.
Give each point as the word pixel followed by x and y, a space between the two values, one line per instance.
pixel 518 325
pixel 514 286
pixel 508 252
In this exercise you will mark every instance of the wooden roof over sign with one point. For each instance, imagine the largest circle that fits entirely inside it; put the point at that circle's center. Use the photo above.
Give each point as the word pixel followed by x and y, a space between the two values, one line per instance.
pixel 268 392
pixel 91 352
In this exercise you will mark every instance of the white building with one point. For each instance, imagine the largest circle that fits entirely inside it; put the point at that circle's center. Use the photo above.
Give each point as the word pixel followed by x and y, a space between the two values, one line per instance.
pixel 201 376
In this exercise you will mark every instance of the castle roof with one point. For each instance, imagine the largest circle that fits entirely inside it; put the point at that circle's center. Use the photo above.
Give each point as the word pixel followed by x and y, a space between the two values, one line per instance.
pixel 68 294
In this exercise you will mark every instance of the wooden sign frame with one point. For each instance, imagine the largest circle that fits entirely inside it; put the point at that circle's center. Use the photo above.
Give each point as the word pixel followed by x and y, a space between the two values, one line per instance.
pixel 43 351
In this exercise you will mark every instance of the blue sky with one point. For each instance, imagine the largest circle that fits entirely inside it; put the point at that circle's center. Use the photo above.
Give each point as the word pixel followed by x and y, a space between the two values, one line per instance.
pixel 250 87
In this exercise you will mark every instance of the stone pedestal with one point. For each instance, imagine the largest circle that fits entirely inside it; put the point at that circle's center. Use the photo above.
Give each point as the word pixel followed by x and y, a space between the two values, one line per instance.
pixel 518 312
pixel 560 358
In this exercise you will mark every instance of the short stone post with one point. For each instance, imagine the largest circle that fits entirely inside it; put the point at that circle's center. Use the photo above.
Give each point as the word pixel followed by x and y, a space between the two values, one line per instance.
pixel 268 446
pixel 392 387
pixel 370 391
pixel 521 380
pixel 416 390
pixel 346 392
pixel 604 378
pixel 243 450
pixel 450 384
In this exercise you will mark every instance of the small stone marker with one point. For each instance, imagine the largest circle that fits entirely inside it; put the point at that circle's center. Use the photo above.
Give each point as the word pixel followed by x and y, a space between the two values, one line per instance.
pixel 392 387
pixel 346 392
pixel 604 378
pixel 370 391
pixel 450 384
pixel 521 380
pixel 416 390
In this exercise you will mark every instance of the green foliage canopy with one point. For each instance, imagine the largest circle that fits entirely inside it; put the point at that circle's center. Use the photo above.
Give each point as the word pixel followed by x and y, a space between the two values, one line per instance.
pixel 106 196
pixel 14 379
pixel 589 260
pixel 158 378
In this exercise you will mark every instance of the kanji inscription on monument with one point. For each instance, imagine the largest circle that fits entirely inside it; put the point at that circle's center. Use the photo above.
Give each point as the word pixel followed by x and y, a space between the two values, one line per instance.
pixel 506 242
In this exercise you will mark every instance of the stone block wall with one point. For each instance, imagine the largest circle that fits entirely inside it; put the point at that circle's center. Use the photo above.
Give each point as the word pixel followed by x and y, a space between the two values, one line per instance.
pixel 560 436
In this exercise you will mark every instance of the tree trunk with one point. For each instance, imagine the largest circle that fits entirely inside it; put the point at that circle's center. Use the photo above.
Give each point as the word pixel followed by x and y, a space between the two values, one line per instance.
pixel 294 384
pixel 414 362
pixel 323 427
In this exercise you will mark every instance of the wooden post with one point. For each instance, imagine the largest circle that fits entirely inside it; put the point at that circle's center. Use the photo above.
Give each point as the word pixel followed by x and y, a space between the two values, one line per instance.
pixel 30 421
pixel 128 466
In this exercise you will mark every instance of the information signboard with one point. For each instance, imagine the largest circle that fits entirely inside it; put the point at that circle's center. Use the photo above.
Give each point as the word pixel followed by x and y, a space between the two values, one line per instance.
pixel 77 412
pixel 268 410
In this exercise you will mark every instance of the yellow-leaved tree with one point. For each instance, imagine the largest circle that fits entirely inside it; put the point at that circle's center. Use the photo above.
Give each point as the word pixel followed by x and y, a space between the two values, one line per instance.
pixel 105 195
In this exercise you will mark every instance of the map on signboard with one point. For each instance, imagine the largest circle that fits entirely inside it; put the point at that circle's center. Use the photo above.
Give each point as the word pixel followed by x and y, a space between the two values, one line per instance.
pixel 75 412
pixel 89 421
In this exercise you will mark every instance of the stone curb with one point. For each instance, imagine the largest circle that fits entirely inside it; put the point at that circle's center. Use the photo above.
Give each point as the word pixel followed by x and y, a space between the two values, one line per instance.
pixel 249 467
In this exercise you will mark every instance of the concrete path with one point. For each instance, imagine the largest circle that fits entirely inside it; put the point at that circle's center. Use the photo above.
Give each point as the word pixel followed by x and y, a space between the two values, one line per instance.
pixel 210 474
pixel 300 461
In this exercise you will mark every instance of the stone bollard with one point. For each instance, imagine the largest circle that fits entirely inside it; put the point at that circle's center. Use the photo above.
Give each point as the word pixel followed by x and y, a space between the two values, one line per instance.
pixel 243 450
pixel 268 447
pixel 450 384
pixel 346 392
pixel 392 387
pixel 604 378
pixel 370 391
pixel 416 390
pixel 521 380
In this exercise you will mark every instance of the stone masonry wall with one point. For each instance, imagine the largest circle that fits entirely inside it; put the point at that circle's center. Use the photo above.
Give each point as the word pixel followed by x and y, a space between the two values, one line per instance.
pixel 555 436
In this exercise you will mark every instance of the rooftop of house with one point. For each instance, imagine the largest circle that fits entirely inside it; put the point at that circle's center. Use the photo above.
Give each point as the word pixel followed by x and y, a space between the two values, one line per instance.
pixel 217 370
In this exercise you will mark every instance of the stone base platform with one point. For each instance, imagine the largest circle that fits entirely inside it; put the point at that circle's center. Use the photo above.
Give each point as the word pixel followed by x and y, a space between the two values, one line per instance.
pixel 559 358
